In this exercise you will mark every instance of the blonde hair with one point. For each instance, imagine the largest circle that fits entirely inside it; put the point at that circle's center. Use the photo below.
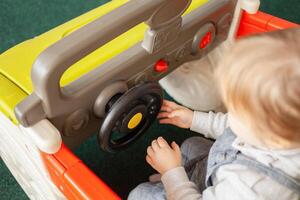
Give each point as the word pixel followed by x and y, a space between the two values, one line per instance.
pixel 259 81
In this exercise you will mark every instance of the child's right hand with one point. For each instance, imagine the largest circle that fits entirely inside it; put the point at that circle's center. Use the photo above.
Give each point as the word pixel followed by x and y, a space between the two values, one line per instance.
pixel 172 113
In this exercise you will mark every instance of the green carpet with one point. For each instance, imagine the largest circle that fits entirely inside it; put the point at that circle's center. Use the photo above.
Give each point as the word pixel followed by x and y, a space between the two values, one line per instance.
pixel 21 20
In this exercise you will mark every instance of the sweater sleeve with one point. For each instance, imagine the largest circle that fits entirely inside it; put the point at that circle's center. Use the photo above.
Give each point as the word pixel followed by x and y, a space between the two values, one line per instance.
pixel 211 124
pixel 232 182
pixel 178 186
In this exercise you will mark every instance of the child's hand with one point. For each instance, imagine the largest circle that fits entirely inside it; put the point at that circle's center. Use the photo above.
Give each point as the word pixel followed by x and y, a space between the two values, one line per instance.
pixel 172 113
pixel 162 157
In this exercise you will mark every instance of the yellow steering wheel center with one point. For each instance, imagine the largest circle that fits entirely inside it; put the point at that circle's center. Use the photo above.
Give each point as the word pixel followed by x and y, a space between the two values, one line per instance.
pixel 135 120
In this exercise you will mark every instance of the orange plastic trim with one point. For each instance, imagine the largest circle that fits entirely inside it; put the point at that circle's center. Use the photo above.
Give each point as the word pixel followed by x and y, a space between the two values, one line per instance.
pixel 261 22
pixel 75 180
pixel 277 23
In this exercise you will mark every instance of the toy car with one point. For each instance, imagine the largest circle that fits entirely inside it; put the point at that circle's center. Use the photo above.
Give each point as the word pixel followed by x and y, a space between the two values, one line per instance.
pixel 99 73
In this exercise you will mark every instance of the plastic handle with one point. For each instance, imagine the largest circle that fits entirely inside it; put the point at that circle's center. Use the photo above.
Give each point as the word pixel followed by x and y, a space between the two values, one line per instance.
pixel 56 59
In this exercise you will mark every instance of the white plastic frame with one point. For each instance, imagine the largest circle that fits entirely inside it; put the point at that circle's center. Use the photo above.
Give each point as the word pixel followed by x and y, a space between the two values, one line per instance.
pixel 23 159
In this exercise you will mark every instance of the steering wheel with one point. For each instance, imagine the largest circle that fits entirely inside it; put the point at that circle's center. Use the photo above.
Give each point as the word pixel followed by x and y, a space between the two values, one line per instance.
pixel 129 115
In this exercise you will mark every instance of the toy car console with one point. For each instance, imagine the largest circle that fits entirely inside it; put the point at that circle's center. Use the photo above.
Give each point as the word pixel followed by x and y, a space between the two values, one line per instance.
pixel 122 94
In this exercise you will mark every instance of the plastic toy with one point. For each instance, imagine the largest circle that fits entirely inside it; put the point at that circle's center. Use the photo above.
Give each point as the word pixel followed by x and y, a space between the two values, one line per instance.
pixel 99 73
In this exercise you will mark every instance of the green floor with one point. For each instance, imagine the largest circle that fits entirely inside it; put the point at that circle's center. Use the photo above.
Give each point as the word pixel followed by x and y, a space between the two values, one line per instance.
pixel 21 20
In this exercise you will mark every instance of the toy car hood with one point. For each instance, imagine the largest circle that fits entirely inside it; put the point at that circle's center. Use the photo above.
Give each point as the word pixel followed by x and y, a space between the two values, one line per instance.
pixel 16 63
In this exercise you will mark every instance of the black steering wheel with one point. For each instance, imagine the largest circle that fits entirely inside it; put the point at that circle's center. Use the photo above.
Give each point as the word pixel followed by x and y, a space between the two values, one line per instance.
pixel 129 115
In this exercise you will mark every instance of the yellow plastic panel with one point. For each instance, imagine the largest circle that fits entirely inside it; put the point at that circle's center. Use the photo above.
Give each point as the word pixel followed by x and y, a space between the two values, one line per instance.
pixel 10 96
pixel 16 63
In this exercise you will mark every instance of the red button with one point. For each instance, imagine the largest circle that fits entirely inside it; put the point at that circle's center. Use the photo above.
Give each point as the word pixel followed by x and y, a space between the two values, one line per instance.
pixel 205 40
pixel 161 66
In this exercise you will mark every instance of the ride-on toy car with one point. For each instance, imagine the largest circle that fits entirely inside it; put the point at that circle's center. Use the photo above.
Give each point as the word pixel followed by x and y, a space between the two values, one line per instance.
pixel 98 74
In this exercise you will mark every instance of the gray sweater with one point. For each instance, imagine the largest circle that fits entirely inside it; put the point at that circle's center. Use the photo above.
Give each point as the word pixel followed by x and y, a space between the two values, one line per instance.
pixel 234 181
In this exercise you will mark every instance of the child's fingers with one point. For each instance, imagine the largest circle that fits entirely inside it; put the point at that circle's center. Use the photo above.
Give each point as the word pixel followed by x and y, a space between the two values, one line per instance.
pixel 175 147
pixel 171 104
pixel 165 109
pixel 149 160
pixel 150 151
pixel 162 142
pixel 167 121
pixel 175 113
pixel 167 103
pixel 155 145
pixel 163 115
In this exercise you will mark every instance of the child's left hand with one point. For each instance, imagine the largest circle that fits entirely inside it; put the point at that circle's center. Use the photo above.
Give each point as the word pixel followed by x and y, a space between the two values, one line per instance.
pixel 163 157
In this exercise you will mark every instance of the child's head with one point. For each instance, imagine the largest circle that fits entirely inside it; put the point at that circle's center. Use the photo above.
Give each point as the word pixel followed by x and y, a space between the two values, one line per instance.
pixel 259 81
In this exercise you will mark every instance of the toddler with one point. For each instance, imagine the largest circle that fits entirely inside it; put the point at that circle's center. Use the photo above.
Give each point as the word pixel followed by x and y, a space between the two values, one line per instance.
pixel 256 154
